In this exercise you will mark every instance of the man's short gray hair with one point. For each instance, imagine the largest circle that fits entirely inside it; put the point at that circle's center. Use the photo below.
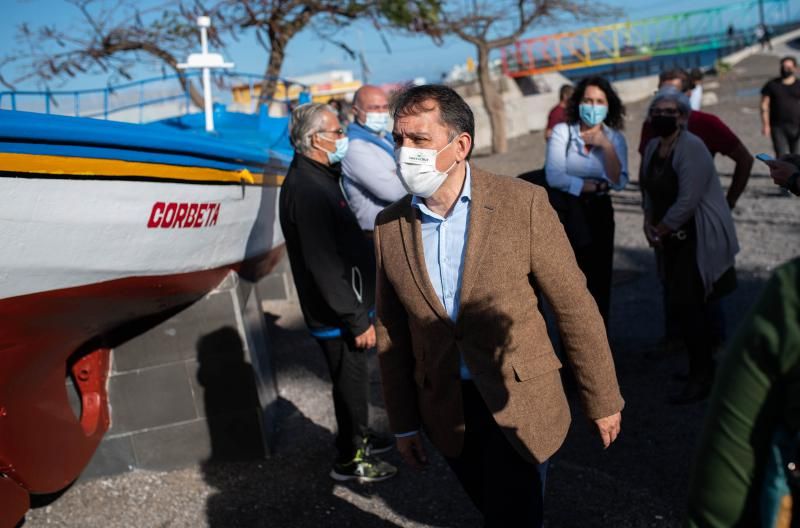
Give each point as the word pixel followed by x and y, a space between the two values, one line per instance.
pixel 670 93
pixel 306 120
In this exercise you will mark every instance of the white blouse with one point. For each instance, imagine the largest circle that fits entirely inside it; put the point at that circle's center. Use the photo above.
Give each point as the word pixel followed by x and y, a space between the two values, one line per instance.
pixel 568 163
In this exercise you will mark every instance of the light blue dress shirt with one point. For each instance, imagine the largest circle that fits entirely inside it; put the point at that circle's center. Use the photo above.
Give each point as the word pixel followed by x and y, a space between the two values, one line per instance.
pixel 568 163
pixel 444 241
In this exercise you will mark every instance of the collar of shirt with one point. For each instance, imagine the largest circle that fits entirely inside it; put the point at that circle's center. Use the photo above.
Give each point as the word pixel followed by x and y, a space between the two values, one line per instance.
pixel 466 196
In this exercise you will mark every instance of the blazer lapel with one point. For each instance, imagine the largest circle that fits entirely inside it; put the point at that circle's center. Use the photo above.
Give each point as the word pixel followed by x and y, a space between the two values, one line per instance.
pixel 481 216
pixel 415 253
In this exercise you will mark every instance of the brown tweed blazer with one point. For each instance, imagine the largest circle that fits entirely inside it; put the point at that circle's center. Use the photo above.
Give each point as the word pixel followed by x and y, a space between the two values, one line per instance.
pixel 515 246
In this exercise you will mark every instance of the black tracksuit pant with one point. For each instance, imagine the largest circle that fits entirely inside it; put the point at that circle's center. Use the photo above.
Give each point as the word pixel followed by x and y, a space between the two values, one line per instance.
pixel 347 366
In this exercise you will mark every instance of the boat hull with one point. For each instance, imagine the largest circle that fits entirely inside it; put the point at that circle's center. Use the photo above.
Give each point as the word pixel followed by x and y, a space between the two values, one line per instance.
pixel 102 239
pixel 44 445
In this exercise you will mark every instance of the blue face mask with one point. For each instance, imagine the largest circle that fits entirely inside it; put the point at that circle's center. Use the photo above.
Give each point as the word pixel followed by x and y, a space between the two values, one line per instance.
pixel 341 149
pixel 592 115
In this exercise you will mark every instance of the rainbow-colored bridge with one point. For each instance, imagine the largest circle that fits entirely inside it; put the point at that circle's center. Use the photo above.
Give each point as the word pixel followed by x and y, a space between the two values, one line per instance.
pixel 726 27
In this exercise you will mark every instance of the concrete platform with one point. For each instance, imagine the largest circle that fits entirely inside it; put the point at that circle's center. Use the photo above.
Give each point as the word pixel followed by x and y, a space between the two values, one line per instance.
pixel 197 387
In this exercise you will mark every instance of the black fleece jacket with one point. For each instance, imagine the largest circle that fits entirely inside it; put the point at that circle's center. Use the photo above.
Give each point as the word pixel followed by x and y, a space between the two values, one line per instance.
pixel 332 261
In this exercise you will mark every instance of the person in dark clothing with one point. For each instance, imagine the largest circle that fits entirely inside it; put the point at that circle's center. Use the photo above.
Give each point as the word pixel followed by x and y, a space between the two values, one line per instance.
pixel 785 173
pixel 715 134
pixel 334 270
pixel 558 114
pixel 780 109
pixel 718 138
pixel 688 219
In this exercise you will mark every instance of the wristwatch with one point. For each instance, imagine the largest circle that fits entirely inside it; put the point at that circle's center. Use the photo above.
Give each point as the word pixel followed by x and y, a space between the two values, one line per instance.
pixel 792 183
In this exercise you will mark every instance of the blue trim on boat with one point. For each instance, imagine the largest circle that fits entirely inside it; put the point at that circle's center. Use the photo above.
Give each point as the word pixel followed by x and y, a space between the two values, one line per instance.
pixel 151 141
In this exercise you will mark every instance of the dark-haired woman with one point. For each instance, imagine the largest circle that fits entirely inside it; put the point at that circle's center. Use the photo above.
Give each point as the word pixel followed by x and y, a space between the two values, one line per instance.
pixel 586 157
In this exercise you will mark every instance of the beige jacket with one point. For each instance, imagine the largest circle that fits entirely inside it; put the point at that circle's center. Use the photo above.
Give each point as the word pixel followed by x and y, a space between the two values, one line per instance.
pixel 515 246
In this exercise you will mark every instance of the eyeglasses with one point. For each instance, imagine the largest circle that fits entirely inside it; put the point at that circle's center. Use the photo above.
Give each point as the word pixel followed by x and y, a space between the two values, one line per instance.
pixel 338 131
pixel 655 112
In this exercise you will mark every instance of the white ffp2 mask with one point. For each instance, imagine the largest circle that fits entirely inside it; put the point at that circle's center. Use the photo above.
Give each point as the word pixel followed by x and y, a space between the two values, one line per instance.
pixel 377 121
pixel 416 169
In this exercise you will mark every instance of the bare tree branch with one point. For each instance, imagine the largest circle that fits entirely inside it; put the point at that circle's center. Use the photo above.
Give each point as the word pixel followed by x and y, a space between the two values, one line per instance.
pixel 120 34
pixel 499 23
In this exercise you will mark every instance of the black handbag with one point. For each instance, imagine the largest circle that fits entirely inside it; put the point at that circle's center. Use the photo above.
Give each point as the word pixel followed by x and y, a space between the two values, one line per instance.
pixel 567 206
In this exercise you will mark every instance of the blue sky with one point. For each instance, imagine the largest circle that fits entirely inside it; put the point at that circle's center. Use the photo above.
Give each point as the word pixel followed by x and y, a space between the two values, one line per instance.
pixel 410 56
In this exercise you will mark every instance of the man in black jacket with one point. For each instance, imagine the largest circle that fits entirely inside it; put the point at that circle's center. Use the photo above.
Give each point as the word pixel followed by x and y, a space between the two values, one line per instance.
pixel 333 264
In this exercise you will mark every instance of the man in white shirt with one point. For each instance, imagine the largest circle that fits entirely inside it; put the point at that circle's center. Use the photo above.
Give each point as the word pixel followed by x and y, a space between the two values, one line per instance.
pixel 370 179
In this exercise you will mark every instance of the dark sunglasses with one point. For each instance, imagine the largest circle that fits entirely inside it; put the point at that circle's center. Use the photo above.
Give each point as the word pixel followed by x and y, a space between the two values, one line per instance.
pixel 664 112
pixel 338 131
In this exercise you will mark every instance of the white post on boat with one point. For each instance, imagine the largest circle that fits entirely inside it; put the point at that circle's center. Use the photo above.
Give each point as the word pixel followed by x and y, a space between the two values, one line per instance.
pixel 206 61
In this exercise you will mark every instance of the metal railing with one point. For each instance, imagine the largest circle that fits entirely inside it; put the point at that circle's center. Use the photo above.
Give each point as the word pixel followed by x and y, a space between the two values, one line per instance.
pixel 111 101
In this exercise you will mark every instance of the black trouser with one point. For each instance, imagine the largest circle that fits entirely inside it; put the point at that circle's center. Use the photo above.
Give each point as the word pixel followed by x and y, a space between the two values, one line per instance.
pixel 785 138
pixel 348 370
pixel 696 323
pixel 506 488
pixel 672 318
pixel 699 317
pixel 596 259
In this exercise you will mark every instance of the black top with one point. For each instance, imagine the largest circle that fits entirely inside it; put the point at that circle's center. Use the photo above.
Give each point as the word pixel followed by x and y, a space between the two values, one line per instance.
pixel 660 182
pixel 784 102
pixel 331 258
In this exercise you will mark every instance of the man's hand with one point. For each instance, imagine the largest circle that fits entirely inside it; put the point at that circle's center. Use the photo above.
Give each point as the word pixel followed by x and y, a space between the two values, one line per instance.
pixel 780 171
pixel 367 339
pixel 410 448
pixel 766 131
pixel 609 428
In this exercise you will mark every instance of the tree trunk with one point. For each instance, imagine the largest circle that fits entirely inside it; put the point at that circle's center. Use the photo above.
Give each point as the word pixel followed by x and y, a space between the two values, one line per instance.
pixel 493 102
pixel 269 83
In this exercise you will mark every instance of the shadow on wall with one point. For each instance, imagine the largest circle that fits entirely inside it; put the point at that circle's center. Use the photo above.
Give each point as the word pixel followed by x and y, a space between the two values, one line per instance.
pixel 230 399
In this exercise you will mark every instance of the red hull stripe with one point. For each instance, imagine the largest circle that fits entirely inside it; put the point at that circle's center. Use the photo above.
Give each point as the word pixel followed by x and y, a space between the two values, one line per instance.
pixel 43 447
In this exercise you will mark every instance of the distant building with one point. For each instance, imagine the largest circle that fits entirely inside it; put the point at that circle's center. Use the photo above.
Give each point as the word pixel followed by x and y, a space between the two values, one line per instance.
pixel 324 86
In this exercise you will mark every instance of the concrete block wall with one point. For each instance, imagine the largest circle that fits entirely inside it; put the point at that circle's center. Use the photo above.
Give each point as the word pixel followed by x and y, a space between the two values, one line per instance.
pixel 198 386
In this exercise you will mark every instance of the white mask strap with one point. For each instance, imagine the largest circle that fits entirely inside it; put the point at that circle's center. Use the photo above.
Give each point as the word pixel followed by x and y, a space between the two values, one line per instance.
pixel 322 149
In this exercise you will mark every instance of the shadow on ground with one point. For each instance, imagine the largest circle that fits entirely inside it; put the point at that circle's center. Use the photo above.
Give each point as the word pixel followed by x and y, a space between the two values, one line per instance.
pixel 642 479
pixel 291 488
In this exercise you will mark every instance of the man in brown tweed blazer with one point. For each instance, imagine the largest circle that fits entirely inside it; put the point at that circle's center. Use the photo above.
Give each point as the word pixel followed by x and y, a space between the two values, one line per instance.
pixel 463 350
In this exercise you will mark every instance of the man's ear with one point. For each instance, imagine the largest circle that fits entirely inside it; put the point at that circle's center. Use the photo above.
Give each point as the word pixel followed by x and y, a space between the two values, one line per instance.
pixel 464 142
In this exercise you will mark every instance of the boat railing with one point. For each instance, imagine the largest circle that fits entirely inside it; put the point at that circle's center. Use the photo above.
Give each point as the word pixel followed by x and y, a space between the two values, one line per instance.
pixel 154 98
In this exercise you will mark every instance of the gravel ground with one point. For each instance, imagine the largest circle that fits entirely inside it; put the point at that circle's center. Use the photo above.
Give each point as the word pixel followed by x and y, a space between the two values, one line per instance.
pixel 641 481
